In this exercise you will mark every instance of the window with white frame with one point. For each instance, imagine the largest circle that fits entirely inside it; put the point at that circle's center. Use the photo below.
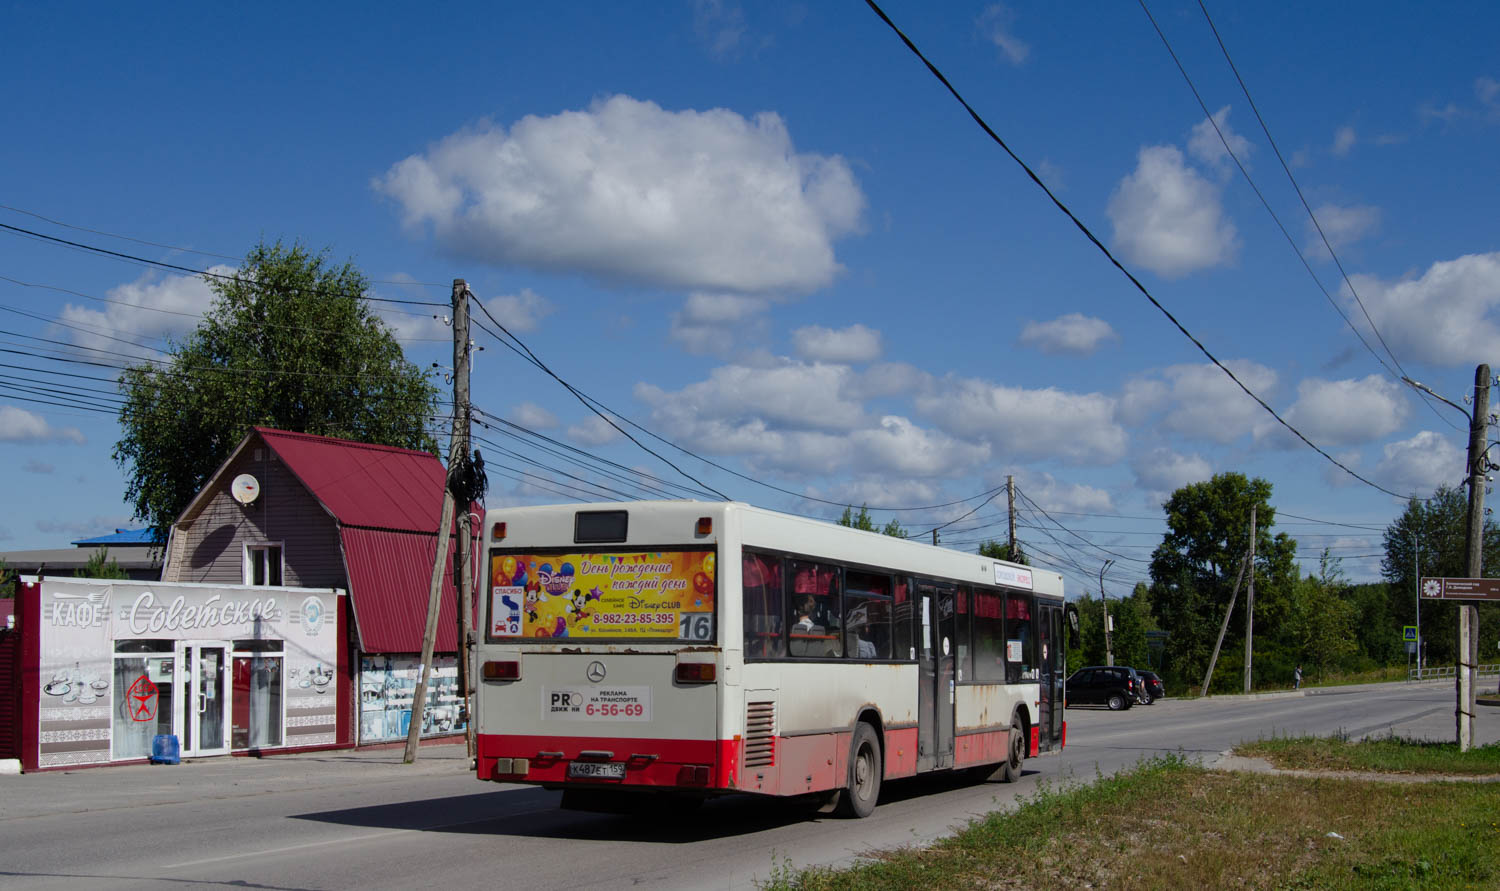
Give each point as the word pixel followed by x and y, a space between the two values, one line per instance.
pixel 263 564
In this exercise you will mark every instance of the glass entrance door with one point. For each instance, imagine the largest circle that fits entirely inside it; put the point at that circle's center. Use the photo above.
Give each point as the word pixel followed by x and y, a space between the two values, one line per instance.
pixel 204 714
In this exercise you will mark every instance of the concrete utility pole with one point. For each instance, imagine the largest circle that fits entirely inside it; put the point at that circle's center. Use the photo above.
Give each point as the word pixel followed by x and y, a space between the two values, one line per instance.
pixel 457 440
pixel 1010 502
pixel 1468 614
pixel 1214 659
pixel 1250 603
pixel 1109 650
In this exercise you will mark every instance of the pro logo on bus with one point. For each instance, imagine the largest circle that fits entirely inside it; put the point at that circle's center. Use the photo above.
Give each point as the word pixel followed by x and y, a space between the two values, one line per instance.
pixel 665 595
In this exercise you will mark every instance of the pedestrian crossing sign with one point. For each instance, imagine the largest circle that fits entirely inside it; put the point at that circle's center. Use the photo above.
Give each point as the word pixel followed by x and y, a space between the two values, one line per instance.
pixel 1409 632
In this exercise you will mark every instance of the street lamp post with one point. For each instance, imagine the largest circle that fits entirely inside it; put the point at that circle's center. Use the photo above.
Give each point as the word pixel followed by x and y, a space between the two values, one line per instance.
pixel 1109 652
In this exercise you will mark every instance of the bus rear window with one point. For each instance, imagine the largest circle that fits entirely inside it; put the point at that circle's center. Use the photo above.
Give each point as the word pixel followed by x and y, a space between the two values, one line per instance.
pixel 596 595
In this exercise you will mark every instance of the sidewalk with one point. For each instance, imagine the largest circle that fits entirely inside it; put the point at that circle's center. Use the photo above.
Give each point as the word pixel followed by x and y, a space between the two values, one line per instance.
pixel 135 785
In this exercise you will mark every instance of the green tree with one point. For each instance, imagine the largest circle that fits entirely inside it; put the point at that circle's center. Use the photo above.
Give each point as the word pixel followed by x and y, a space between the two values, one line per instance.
pixel 290 342
pixel 864 521
pixel 1000 550
pixel 7 580
pixel 1429 539
pixel 1193 570
pixel 1321 635
pixel 102 566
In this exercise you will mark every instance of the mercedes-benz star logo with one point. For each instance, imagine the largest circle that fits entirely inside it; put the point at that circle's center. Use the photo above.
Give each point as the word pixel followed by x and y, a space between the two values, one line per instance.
pixel 595 671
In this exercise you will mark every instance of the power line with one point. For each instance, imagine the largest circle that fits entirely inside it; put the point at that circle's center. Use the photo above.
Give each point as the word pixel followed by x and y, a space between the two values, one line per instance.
pixel 1106 252
pixel 188 269
pixel 1276 219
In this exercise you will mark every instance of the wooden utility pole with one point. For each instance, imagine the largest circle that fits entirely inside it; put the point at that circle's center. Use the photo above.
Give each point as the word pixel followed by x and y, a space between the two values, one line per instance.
pixel 1010 501
pixel 465 574
pixel 1214 659
pixel 1250 603
pixel 445 525
pixel 1468 614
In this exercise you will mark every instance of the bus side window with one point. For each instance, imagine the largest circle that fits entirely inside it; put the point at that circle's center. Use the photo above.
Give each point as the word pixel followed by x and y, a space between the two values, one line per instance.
pixel 961 648
pixel 989 637
pixel 1017 637
pixel 762 605
pixel 867 615
pixel 904 616
pixel 815 619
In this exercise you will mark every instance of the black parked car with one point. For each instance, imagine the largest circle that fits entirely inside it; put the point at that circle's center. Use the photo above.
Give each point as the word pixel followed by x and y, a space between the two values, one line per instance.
pixel 1116 686
pixel 1151 687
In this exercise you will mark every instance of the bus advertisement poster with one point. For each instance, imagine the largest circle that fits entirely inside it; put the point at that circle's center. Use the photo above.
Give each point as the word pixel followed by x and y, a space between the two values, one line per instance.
pixel 667 595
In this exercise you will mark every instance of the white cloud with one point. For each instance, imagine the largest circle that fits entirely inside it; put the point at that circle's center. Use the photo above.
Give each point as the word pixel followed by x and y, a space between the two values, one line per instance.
pixel 1346 412
pixel 1053 496
pixel 593 431
pixel 1342 225
pixel 1163 471
pixel 876 491
pixel 995 24
pixel 529 414
pixel 1487 91
pixel 1141 398
pixel 1204 404
pixel 715 324
pixel 789 394
pixel 1420 464
pixel 1074 334
pixel 886 379
pixel 853 344
pixel 520 312
pixel 1447 316
pixel 628 191
pixel 20 425
pixel 720 25
pixel 901 447
pixel 1343 141
pixel 1205 144
pixel 1021 424
pixel 151 306
pixel 1168 218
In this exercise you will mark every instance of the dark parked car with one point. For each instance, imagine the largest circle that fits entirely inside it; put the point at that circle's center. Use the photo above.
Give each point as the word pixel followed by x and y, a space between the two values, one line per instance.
pixel 1151 686
pixel 1116 686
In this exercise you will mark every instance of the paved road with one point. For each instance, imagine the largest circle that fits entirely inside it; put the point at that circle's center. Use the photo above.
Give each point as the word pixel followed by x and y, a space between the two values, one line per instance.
pixel 363 820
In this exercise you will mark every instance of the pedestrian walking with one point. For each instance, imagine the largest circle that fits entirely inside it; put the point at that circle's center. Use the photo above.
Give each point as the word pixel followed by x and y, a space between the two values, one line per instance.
pixel 1297 678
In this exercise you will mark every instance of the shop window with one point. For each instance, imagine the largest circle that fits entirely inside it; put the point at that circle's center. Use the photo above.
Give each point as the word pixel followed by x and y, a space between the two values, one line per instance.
pixel 761 582
pixel 815 624
pixel 263 564
pixel 258 689
pixel 143 700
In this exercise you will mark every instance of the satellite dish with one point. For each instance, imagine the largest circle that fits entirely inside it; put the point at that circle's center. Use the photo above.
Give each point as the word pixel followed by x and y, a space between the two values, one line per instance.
pixel 245 488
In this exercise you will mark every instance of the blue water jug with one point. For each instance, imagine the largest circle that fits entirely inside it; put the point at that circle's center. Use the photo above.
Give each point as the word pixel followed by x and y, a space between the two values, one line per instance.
pixel 165 750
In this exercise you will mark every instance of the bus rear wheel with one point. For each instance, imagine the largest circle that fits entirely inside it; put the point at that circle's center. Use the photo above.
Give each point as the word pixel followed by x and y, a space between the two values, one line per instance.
pixel 865 770
pixel 1015 752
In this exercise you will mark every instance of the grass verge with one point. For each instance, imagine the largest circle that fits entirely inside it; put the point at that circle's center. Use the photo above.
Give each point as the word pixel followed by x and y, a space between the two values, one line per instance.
pixel 1170 824
pixel 1388 755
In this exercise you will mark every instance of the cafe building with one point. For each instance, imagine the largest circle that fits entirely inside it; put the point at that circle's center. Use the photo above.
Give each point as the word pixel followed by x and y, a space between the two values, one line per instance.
pixel 290 616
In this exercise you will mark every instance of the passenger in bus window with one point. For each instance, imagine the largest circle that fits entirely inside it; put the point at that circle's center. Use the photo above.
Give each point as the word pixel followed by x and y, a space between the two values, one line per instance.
pixel 805 623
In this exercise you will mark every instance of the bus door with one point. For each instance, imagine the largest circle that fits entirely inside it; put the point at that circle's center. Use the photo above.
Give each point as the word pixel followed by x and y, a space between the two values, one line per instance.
pixel 935 697
pixel 1053 669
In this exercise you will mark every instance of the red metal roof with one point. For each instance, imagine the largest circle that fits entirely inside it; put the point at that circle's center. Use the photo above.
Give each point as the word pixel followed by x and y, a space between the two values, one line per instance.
pixel 388 502
pixel 362 484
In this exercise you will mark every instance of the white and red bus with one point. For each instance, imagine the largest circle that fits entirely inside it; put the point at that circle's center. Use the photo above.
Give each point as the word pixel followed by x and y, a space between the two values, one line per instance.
pixel 703 648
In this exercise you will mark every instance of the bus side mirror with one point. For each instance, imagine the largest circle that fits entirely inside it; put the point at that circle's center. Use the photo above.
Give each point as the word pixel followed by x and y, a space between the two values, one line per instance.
pixel 1071 611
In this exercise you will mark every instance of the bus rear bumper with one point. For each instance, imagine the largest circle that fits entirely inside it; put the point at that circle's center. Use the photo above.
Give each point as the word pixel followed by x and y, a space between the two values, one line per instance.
pixel 634 762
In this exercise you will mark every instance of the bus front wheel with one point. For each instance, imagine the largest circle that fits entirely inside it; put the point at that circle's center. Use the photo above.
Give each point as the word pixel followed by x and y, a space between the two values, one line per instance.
pixel 865 769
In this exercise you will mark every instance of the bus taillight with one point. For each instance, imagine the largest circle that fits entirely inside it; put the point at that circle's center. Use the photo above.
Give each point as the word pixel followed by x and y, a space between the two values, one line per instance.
pixel 502 671
pixel 692 775
pixel 497 531
pixel 696 672
pixel 705 526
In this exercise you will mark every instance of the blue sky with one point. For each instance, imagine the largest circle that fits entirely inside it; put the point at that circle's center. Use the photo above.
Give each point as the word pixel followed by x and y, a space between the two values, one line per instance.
pixel 767 234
